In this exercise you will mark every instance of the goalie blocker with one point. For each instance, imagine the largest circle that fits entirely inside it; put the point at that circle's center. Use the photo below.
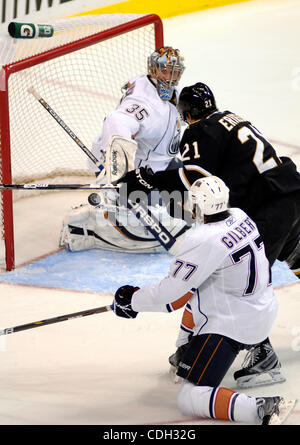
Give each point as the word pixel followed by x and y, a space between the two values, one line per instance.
pixel 119 159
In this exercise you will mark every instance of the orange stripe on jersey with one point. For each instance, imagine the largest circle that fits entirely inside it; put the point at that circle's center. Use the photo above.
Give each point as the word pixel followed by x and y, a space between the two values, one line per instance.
pixel 188 320
pixel 222 403
pixel 181 301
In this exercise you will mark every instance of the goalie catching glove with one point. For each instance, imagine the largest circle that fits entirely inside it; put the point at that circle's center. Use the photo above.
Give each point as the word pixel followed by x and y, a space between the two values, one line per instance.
pixel 122 302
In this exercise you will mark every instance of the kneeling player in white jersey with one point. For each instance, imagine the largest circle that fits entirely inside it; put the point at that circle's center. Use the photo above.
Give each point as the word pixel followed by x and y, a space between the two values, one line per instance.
pixel 221 272
pixel 147 121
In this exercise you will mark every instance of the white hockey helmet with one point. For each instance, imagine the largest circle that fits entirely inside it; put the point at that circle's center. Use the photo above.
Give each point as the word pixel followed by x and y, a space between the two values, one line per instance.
pixel 208 196
pixel 165 65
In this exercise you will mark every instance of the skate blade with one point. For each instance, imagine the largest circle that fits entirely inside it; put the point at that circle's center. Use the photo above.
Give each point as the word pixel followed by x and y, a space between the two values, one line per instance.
pixel 262 379
pixel 174 377
pixel 285 409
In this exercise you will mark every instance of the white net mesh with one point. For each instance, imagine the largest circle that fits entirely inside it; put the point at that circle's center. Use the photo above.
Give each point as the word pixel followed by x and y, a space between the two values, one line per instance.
pixel 81 86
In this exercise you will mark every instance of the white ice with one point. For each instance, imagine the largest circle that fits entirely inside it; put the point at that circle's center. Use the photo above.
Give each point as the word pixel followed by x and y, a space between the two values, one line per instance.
pixel 107 371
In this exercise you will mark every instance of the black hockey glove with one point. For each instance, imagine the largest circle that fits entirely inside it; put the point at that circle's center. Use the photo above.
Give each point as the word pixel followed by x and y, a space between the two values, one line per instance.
pixel 122 302
pixel 141 179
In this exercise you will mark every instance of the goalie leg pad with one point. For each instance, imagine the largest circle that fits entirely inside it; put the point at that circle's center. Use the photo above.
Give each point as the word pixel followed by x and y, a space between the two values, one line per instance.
pixel 112 228
pixel 71 237
pixel 87 227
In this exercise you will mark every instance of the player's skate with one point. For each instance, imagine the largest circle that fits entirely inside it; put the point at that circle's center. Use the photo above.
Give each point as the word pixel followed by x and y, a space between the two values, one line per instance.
pixel 174 361
pixel 260 367
pixel 274 410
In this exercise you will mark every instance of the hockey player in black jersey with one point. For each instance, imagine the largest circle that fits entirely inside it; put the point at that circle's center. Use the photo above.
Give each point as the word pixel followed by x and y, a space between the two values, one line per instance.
pixel 264 185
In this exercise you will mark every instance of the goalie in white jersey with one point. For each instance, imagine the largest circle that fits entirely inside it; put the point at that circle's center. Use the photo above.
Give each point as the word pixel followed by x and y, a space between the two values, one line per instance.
pixel 147 113
pixel 148 122
pixel 220 272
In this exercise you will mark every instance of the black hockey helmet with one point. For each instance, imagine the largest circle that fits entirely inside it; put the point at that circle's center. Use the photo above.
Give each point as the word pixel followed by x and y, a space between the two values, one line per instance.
pixel 197 100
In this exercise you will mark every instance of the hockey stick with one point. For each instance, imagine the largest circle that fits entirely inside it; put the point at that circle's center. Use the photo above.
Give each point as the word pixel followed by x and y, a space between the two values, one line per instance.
pixel 47 321
pixel 58 187
pixel 67 129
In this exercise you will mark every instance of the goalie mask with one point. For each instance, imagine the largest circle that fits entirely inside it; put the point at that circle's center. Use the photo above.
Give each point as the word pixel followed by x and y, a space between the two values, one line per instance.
pixel 165 66
pixel 197 100
pixel 208 196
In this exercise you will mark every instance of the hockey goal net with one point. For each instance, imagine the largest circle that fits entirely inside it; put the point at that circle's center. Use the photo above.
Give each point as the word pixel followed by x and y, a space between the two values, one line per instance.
pixel 79 71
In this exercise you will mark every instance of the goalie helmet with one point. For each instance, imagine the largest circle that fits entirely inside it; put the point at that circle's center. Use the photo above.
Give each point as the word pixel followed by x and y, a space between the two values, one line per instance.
pixel 208 196
pixel 165 66
pixel 197 100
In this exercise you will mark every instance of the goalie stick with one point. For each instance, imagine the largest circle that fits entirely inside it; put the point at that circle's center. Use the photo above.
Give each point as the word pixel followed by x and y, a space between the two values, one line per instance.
pixel 142 213
pixel 67 129
pixel 47 321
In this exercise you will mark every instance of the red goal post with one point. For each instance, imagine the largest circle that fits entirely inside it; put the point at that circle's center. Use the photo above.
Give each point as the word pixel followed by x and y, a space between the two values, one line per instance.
pixel 79 71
